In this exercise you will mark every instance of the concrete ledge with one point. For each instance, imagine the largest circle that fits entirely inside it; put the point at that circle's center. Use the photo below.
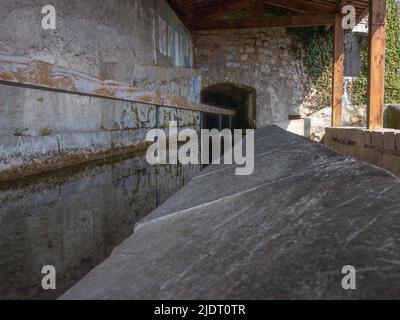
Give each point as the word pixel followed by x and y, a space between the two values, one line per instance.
pixel 378 147
pixel 28 155
pixel 22 156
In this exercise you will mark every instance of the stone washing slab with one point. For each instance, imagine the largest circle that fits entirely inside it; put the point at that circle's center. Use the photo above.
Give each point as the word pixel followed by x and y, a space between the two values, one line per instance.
pixel 273 162
pixel 287 236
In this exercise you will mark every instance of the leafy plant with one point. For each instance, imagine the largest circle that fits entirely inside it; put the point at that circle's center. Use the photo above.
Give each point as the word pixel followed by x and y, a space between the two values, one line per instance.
pixel 314 47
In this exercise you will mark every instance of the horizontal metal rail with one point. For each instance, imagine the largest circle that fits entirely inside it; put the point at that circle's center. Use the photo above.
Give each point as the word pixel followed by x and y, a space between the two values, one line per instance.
pixel 27 72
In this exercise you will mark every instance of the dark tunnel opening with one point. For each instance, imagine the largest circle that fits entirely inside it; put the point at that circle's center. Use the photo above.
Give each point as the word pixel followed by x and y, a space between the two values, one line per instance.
pixel 240 98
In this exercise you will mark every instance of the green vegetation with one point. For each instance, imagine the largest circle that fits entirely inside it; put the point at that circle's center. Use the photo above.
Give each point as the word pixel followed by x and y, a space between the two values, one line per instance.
pixel 392 78
pixel 392 81
pixel 314 46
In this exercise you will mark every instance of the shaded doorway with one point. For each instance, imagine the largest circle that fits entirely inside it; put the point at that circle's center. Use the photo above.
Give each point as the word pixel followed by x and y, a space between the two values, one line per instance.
pixel 240 98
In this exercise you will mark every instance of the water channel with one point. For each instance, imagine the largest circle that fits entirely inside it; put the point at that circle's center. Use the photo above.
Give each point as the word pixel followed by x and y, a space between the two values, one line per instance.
pixel 72 219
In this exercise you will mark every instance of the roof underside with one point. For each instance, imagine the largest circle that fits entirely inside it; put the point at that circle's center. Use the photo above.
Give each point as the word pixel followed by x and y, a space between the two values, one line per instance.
pixel 232 14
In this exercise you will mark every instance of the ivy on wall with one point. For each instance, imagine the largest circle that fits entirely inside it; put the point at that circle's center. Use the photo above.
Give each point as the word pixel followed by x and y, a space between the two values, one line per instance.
pixel 392 81
pixel 392 73
pixel 314 46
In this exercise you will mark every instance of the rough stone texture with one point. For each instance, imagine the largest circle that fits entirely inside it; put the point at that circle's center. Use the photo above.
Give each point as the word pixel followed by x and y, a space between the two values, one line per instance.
pixel 379 147
pixel 259 59
pixel 123 40
pixel 115 39
pixel 284 232
pixel 90 33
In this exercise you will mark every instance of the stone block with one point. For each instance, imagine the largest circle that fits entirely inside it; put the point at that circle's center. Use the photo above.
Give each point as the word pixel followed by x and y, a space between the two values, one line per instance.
pixel 35 147
pixel 334 133
pixel 391 162
pixel 351 151
pixel 9 147
pixel 328 137
pixel 84 142
pixel 372 156
pixel 341 135
pixel 359 153
pixel 368 139
pixel 389 141
pixel 357 136
pixel 378 140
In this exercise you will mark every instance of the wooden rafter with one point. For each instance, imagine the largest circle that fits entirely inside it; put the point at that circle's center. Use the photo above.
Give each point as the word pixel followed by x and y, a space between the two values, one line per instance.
pixel 197 12
pixel 265 22
pixel 301 6
pixel 259 8
pixel 340 4
pixel 219 9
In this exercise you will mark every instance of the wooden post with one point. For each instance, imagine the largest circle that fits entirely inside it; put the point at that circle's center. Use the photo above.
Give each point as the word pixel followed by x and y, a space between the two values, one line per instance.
pixel 338 70
pixel 376 64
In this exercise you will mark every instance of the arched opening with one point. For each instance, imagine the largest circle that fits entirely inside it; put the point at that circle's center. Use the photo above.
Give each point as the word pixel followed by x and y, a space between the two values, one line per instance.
pixel 240 98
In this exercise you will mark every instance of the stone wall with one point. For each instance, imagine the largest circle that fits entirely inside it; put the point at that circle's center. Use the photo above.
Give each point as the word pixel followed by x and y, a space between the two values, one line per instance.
pixel 378 147
pixel 260 59
pixel 138 42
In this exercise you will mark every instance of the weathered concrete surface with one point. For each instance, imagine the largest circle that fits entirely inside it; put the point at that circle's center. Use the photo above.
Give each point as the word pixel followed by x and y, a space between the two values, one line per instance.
pixel 46 137
pixel 284 232
pixel 141 43
pixel 92 32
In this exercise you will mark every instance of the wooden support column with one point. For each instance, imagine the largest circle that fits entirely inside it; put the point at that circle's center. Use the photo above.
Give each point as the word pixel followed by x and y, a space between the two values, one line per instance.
pixel 376 64
pixel 338 70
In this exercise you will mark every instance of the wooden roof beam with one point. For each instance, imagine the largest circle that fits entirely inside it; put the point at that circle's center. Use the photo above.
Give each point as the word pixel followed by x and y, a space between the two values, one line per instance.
pixel 265 22
pixel 300 6
pixel 340 4
pixel 223 8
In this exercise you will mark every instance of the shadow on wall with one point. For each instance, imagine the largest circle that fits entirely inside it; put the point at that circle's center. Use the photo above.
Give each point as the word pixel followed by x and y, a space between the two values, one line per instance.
pixel 235 96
